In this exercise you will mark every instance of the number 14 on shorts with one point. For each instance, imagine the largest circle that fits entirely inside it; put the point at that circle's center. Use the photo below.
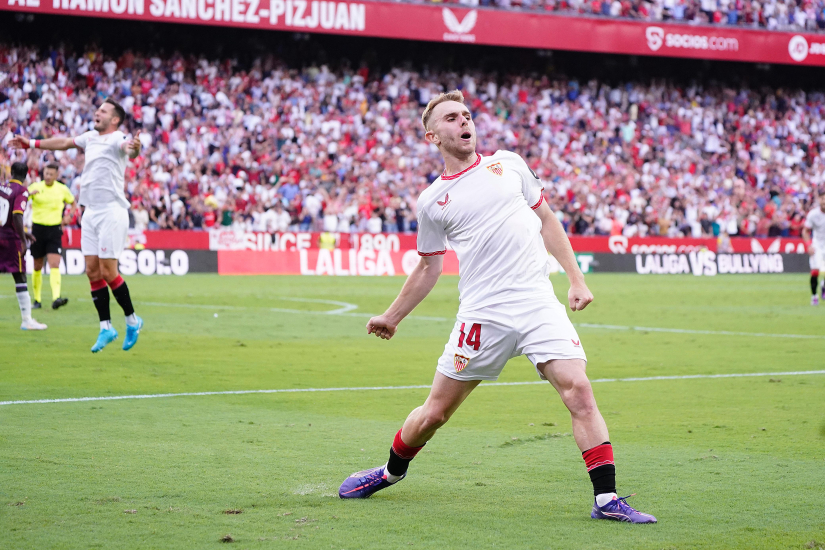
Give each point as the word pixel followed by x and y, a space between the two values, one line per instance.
pixel 473 338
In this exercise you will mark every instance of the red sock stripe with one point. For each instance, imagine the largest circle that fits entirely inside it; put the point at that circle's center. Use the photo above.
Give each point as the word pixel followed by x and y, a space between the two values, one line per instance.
pixel 402 449
pixel 97 285
pixel 598 456
pixel 116 282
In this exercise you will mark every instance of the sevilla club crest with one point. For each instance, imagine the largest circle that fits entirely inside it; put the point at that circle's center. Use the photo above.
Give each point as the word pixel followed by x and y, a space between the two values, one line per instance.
pixel 461 362
pixel 496 169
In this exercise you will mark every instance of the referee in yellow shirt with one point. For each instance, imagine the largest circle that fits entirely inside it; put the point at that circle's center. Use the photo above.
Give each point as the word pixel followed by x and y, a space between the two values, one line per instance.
pixel 48 197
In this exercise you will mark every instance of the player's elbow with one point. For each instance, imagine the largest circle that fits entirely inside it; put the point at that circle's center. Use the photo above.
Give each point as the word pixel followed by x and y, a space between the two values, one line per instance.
pixel 432 266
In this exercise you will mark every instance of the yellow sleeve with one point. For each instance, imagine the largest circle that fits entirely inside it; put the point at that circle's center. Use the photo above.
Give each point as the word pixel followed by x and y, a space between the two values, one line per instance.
pixel 68 198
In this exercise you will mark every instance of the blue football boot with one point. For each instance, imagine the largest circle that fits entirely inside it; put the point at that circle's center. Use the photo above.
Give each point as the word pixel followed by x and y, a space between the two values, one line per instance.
pixel 363 484
pixel 106 336
pixel 132 332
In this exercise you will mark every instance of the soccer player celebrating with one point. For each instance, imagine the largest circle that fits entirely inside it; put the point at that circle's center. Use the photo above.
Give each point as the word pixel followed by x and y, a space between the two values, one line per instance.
pixel 105 221
pixel 492 213
pixel 48 197
pixel 815 222
pixel 14 239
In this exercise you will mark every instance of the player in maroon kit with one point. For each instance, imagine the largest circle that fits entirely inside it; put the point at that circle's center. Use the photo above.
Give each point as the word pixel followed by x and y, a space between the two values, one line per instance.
pixel 14 240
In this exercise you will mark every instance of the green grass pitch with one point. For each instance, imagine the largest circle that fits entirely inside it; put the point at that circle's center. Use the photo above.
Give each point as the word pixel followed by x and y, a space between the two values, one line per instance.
pixel 722 462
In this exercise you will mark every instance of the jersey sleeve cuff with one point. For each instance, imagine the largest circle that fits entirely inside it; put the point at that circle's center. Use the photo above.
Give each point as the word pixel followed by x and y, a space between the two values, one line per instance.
pixel 541 200
pixel 17 212
pixel 439 253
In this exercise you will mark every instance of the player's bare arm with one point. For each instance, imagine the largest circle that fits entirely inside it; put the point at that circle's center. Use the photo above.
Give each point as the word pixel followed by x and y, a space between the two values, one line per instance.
pixel 557 244
pixel 19 228
pixel 418 285
pixel 49 144
pixel 806 236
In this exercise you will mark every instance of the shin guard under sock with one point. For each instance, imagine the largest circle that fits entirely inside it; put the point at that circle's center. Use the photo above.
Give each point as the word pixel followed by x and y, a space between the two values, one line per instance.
pixel 100 297
pixel 400 456
pixel 600 466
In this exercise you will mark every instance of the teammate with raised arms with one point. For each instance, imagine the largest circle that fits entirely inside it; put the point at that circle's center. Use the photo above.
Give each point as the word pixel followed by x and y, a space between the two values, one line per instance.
pixel 492 212
pixel 105 221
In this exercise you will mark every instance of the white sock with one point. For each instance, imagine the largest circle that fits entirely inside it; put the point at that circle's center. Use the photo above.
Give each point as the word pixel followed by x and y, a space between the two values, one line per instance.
pixel 604 498
pixel 105 325
pixel 24 301
pixel 391 478
pixel 131 320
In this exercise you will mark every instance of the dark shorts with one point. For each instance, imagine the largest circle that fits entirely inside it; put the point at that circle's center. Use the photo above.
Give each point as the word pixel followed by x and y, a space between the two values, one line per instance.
pixel 49 240
pixel 12 256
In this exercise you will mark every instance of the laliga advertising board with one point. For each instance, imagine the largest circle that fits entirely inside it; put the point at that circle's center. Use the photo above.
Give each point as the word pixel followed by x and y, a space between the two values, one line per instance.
pixel 452 24
pixel 300 253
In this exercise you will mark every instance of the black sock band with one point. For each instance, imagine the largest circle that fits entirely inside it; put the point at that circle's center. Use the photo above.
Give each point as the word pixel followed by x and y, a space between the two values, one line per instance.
pixel 121 294
pixel 396 465
pixel 100 297
pixel 813 283
pixel 603 479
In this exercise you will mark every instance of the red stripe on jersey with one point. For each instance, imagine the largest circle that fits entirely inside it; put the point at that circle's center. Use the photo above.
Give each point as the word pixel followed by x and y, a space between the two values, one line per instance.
pixel 541 200
pixel 454 176
pixel 439 253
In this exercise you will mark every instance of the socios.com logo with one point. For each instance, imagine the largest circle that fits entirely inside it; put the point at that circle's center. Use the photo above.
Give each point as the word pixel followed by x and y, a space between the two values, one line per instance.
pixel 798 48
pixel 655 37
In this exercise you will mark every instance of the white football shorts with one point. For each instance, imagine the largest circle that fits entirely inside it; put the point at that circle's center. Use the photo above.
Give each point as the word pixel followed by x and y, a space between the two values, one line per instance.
pixel 483 341
pixel 817 259
pixel 104 231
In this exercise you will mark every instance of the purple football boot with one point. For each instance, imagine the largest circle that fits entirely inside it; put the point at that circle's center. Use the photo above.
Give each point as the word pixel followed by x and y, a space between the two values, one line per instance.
pixel 619 510
pixel 364 483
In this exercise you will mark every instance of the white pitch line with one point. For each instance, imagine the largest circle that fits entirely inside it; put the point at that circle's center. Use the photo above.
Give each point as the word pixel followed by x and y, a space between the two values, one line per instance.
pixel 696 331
pixel 387 388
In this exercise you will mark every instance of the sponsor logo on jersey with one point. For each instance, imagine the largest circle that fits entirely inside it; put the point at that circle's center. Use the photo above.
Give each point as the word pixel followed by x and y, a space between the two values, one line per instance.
pixel 461 362
pixel 577 343
pixel 445 202
pixel 496 169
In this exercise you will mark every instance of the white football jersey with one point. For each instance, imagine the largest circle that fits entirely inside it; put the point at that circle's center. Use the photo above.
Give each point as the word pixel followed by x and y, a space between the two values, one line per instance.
pixel 102 181
pixel 816 222
pixel 486 215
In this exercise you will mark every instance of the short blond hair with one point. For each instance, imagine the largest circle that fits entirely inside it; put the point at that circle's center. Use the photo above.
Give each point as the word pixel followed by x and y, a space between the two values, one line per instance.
pixel 454 95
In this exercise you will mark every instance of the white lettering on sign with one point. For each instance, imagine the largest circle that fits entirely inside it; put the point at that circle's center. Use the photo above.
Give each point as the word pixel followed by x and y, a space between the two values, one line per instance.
pixel 338 262
pixel 657 37
pixel 302 14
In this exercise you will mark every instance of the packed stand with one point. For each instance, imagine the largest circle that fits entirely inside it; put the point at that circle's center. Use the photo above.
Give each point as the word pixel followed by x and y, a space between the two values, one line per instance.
pixel 275 149
pixel 781 15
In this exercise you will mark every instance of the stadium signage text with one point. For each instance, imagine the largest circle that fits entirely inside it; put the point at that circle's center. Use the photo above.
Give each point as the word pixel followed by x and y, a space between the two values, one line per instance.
pixel 145 262
pixel 657 37
pixel 708 263
pixel 442 24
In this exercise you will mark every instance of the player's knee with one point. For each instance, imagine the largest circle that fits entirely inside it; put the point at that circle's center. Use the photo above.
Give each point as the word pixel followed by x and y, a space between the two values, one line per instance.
pixel 93 272
pixel 109 272
pixel 579 397
pixel 434 419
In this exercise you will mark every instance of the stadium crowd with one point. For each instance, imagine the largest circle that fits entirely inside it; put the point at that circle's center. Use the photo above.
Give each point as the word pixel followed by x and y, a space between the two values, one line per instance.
pixel 269 148
pixel 783 15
